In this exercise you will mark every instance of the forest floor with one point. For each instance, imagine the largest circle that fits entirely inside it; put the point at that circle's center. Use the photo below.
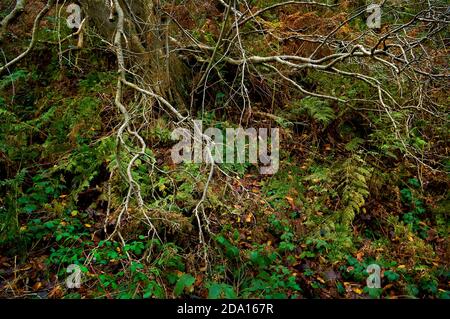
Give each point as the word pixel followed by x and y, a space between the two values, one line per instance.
pixel 339 203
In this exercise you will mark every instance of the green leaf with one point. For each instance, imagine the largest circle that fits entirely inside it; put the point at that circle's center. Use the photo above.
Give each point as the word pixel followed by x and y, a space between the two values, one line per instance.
pixel 414 182
pixel 214 291
pixel 230 250
pixel 185 281
pixel 374 293
pixel 391 276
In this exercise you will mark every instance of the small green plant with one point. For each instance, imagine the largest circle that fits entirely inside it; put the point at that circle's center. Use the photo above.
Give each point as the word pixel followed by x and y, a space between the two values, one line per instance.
pixel 220 290
pixel 415 216
pixel 184 283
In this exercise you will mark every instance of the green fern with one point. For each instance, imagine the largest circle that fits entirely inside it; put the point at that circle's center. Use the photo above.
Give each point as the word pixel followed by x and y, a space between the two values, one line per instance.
pixel 353 188
pixel 13 77
pixel 9 224
pixel 318 109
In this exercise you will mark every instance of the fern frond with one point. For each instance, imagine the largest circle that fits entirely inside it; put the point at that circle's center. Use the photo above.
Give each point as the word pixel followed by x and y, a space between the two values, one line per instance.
pixel 318 109
pixel 353 188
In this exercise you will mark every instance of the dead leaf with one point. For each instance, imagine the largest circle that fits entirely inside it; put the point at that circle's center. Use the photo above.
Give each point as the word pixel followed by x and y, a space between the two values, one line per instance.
pixel 357 290
pixel 56 292
pixel 359 256
pixel 321 279
pixel 37 286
